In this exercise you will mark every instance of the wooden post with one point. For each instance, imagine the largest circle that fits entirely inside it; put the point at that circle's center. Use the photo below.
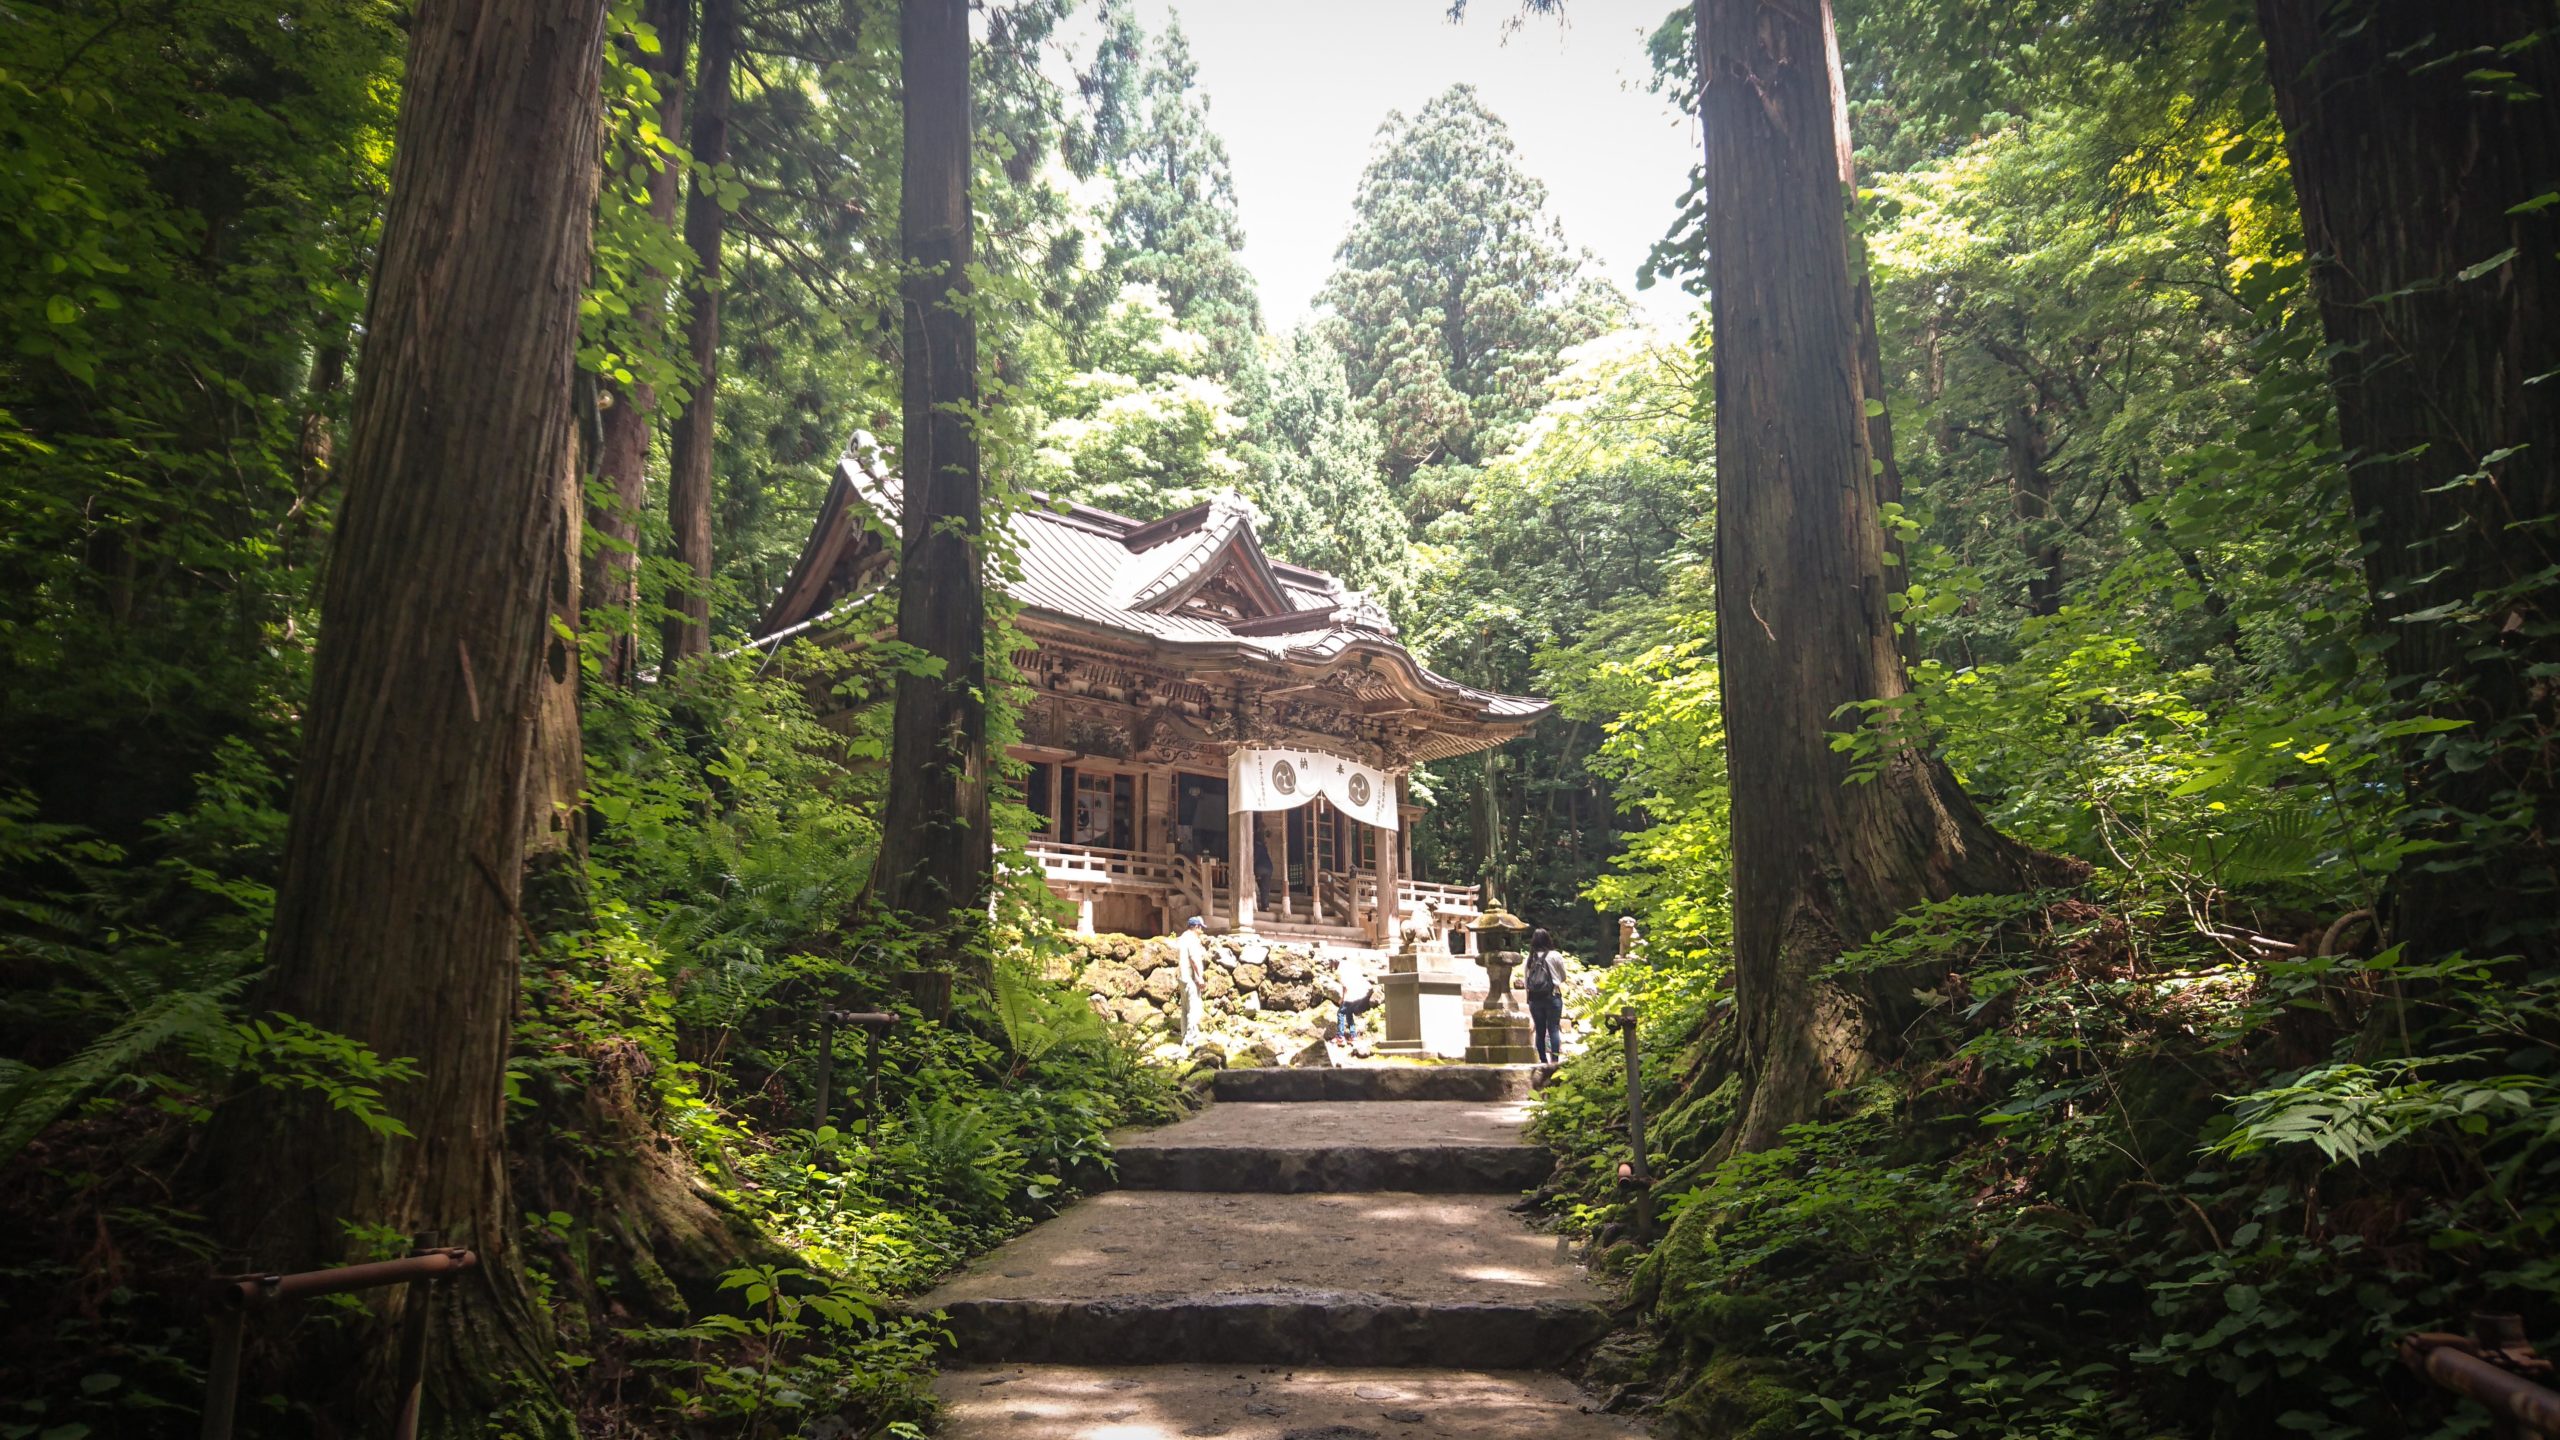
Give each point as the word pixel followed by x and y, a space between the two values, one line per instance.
pixel 1642 1176
pixel 417 1308
pixel 1315 861
pixel 1390 912
pixel 1240 841
pixel 1279 819
pixel 222 1376
pixel 826 1065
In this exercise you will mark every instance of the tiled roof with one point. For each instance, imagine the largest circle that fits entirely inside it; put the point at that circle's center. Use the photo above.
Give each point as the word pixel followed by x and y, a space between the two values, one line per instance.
pixel 1098 569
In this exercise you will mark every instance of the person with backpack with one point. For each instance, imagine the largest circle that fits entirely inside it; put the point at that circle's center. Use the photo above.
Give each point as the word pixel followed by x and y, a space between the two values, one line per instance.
pixel 1544 978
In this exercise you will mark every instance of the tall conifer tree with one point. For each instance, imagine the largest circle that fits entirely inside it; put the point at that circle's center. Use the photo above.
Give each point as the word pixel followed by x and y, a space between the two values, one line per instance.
pixel 397 916
pixel 1314 459
pixel 1172 223
pixel 1456 290
pixel 937 847
pixel 1820 862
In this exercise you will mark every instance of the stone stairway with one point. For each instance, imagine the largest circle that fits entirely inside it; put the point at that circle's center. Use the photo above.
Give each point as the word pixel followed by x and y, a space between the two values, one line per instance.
pixel 1320 1255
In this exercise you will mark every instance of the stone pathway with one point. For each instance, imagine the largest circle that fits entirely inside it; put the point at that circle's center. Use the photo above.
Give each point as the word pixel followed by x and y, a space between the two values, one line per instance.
pixel 1321 1255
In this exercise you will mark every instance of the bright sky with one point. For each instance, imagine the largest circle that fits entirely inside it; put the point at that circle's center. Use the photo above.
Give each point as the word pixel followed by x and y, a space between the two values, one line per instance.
pixel 1297 88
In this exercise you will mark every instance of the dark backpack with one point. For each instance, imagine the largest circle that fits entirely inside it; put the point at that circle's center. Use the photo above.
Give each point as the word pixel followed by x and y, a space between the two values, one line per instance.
pixel 1542 973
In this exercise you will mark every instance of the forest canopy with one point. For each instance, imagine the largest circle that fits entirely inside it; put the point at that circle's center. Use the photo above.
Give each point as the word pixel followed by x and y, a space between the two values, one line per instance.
pixel 2054 652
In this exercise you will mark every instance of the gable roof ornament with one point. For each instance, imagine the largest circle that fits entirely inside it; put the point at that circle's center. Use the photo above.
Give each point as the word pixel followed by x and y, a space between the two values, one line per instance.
pixel 1180 555
pixel 1359 612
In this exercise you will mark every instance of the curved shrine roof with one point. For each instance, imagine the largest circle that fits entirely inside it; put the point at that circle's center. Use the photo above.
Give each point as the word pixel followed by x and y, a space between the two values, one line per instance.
pixel 1196 586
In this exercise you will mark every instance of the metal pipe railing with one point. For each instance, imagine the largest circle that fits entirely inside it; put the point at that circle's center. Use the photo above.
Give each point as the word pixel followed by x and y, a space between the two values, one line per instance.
pixel 2494 1365
pixel 231 1298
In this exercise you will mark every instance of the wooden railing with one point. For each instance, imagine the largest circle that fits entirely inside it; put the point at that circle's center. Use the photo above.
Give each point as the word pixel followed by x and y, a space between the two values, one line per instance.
pixel 1203 887
pixel 1099 865
pixel 1450 901
pixel 1202 883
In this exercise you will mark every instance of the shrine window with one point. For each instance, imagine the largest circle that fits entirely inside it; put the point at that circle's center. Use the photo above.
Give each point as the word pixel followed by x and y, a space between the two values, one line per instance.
pixel 1105 810
pixel 1200 815
pixel 1040 792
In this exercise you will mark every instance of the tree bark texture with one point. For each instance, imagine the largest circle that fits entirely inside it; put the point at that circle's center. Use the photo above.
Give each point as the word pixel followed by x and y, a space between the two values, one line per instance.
pixel 555 833
pixel 397 917
pixel 2031 503
pixel 687 631
pixel 1820 863
pixel 2409 159
pixel 936 845
pixel 1888 470
pixel 611 582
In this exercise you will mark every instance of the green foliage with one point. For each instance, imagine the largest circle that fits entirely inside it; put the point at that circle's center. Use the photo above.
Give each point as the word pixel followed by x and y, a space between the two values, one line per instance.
pixel 1572 573
pixel 186 261
pixel 2104 1195
pixel 1456 292
pixel 1146 428
pixel 1313 461
pixel 803 1347
pixel 733 833
pixel 1170 224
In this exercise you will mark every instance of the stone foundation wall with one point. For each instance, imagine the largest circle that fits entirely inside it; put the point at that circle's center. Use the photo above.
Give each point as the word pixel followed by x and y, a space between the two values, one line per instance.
pixel 1260 1004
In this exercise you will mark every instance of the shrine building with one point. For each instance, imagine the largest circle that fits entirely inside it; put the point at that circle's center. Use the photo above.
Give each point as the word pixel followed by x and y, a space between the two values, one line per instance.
pixel 1189 691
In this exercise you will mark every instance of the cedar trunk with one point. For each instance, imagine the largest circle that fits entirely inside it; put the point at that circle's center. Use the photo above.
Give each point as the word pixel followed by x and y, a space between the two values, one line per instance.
pixel 1804 630
pixel 936 845
pixel 396 919
pixel 555 833
pixel 688 623
pixel 2408 169
pixel 2031 502
pixel 611 583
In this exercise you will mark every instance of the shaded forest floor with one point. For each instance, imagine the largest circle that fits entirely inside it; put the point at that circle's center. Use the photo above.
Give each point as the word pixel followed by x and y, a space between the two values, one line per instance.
pixel 2125 1178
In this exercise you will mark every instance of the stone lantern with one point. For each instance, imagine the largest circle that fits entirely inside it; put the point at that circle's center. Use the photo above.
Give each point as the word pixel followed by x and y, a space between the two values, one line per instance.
pixel 1500 1034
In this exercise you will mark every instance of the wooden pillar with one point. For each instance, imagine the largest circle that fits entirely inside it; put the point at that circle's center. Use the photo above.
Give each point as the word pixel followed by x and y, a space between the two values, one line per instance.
pixel 1390 914
pixel 1315 860
pixel 1084 913
pixel 1240 836
pixel 1280 862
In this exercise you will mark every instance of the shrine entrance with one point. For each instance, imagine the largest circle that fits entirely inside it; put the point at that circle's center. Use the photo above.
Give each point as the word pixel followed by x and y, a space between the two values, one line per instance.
pixel 1325 842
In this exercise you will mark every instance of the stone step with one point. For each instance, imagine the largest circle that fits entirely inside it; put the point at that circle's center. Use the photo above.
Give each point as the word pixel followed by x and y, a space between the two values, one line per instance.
pixel 1436 1146
pixel 1398 1279
pixel 1056 1402
pixel 1378 1082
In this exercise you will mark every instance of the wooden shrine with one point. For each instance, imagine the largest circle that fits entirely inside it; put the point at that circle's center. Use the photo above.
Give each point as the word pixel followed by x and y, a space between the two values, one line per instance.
pixel 1211 732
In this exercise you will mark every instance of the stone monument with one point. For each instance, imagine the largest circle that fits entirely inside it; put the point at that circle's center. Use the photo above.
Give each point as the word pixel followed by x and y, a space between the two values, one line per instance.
pixel 1501 1034
pixel 1426 1013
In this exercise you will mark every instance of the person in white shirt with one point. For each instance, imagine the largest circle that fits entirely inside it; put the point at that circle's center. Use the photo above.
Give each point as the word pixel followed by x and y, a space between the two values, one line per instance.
pixel 1191 963
pixel 1359 997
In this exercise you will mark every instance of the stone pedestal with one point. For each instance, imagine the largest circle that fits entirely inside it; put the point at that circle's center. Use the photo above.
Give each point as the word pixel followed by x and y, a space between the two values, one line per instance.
pixel 1425 1009
pixel 1501 1037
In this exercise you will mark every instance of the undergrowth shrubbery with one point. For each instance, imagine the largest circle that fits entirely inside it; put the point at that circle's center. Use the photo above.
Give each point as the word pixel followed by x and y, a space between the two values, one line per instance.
pixel 2123 1183
pixel 666 1040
